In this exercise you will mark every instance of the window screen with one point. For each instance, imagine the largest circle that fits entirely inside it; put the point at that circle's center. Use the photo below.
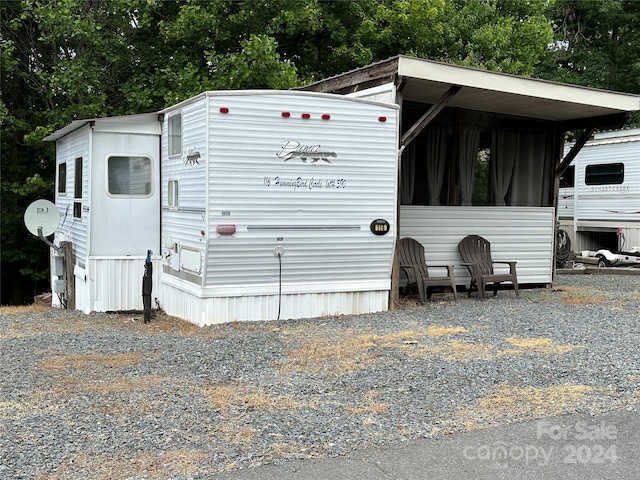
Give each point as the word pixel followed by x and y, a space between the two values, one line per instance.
pixel 175 134
pixel 604 174
pixel 129 176
pixel 173 194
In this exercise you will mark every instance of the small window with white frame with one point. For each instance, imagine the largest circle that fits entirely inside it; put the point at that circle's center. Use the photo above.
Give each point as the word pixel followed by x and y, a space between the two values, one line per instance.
pixel 129 176
pixel 172 191
pixel 175 134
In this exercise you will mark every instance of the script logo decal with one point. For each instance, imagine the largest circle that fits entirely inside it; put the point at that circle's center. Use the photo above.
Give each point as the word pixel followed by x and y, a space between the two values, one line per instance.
pixel 306 153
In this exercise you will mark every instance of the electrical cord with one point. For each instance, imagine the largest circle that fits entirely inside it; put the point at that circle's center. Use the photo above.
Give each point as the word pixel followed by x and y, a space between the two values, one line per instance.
pixel 279 284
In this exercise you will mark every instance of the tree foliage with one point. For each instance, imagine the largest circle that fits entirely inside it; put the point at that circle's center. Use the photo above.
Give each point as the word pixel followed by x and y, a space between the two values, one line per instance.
pixel 69 59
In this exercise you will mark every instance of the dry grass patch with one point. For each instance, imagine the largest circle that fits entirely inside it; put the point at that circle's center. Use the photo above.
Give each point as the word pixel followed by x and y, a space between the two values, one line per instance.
pixel 580 295
pixel 510 402
pixel 161 465
pixel 16 410
pixel 229 396
pixel 540 345
pixel 235 434
pixel 291 450
pixel 50 325
pixel 343 351
pixel 162 324
pixel 437 331
pixel 19 309
pixel 370 405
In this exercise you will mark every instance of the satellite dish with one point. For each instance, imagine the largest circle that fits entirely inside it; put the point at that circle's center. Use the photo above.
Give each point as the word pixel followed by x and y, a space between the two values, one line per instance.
pixel 44 215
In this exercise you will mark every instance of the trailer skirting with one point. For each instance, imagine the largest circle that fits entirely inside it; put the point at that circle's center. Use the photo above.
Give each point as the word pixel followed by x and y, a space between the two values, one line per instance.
pixel 210 306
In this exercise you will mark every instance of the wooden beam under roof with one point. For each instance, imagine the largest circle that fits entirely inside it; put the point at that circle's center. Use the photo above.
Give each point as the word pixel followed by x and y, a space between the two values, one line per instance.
pixel 566 161
pixel 430 114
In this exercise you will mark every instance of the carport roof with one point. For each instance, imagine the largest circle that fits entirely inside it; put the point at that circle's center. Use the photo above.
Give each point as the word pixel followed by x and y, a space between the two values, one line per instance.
pixel 426 81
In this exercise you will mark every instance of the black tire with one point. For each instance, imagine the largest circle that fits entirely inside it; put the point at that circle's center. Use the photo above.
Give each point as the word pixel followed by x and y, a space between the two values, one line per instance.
pixel 603 262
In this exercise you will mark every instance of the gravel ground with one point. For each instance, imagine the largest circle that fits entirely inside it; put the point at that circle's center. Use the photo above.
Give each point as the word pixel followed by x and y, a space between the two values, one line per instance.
pixel 105 396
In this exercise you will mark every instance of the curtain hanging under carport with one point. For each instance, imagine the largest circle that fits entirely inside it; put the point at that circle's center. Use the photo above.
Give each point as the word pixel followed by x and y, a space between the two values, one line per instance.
pixel 530 172
pixel 408 174
pixel 504 145
pixel 436 142
pixel 469 140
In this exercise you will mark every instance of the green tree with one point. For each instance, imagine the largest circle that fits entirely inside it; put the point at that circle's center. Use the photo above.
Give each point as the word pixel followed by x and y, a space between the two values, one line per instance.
pixel 69 59
pixel 595 44
pixel 509 36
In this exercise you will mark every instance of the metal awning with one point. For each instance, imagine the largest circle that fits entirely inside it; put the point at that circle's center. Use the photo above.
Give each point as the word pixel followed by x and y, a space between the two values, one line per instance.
pixel 426 81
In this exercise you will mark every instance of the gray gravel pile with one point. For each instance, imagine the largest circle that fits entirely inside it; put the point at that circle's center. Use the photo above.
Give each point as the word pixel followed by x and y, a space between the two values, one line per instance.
pixel 105 396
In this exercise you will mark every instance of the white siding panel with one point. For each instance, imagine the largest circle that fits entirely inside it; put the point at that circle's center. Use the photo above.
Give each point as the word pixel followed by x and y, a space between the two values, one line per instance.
pixel 185 303
pixel 609 202
pixel 523 234
pixel 116 283
pixel 332 262
pixel 185 226
pixel 324 231
pixel 112 284
pixel 75 145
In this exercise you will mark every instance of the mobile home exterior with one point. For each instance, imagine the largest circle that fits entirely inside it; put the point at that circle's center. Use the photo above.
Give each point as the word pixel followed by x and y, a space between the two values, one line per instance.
pixel 289 204
pixel 257 205
pixel 600 198
pixel 107 194
pixel 273 205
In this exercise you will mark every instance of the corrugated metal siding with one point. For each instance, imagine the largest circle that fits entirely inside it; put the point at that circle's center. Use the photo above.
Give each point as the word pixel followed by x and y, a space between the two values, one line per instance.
pixel 324 231
pixel 116 283
pixel 523 234
pixel 210 310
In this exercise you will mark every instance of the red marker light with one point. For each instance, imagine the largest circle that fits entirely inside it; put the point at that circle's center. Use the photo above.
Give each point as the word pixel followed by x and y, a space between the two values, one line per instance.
pixel 326 116
pixel 286 114
pixel 306 116
pixel 382 119
pixel 224 110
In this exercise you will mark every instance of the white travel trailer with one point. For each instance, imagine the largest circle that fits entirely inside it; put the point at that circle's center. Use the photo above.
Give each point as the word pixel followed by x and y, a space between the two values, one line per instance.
pixel 259 204
pixel 599 198
pixel 277 204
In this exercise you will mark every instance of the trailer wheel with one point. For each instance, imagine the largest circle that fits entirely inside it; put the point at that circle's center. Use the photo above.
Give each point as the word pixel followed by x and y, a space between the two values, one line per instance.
pixel 603 262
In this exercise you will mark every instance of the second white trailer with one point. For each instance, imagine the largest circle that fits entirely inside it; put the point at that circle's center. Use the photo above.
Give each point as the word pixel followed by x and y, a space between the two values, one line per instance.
pixel 277 204
pixel 599 198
